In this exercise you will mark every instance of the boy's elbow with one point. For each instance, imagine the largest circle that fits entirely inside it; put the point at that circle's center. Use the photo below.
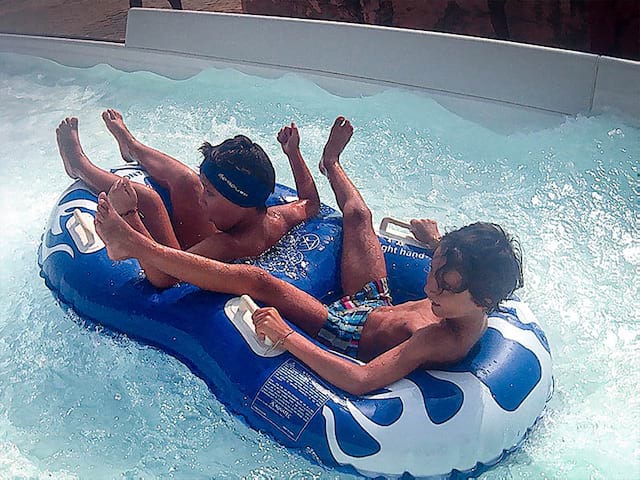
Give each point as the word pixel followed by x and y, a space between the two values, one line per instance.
pixel 459 356
pixel 162 283
pixel 358 390
pixel 452 356
pixel 361 383
pixel 310 207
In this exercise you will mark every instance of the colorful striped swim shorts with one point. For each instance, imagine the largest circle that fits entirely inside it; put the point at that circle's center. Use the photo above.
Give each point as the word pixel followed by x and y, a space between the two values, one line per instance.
pixel 347 316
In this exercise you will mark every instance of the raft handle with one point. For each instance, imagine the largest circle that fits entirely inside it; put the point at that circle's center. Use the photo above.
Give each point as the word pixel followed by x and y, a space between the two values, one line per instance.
pixel 87 228
pixel 248 305
pixel 394 234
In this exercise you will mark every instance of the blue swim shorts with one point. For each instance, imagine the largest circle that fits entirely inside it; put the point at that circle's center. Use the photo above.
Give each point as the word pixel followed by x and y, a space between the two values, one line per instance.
pixel 347 316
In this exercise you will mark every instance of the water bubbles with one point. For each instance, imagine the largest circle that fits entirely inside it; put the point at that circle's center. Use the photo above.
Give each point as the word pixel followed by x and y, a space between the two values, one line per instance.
pixel 616 132
pixel 578 280
pixel 610 340
pixel 632 254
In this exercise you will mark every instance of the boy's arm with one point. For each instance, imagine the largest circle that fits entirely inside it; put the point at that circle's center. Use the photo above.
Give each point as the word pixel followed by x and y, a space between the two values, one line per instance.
pixel 155 277
pixel 219 246
pixel 351 377
pixel 309 203
pixel 429 345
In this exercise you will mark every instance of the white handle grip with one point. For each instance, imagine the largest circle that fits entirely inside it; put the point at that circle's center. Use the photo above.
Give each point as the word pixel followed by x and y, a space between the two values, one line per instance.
pixel 384 230
pixel 248 305
pixel 86 227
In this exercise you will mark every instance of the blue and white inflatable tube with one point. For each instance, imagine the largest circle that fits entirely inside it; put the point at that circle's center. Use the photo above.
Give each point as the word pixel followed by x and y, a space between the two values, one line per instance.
pixel 450 423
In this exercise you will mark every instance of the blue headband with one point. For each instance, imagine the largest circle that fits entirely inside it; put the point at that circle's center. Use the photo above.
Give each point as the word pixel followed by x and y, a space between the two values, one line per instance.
pixel 243 189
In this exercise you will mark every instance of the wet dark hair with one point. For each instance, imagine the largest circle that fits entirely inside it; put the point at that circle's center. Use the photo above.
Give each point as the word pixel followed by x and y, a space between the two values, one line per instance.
pixel 239 154
pixel 488 259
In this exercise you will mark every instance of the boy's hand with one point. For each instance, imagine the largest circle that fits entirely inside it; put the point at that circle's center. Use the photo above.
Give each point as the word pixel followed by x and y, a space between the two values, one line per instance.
pixel 426 231
pixel 269 323
pixel 289 139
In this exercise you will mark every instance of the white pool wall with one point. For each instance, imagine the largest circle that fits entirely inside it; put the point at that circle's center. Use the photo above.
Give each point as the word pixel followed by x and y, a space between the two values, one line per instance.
pixel 472 76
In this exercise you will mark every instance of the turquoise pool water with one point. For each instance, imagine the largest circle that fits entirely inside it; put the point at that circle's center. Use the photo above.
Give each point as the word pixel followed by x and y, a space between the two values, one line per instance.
pixel 75 403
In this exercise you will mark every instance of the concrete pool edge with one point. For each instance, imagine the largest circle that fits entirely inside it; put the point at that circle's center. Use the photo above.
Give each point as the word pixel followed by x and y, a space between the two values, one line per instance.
pixel 542 81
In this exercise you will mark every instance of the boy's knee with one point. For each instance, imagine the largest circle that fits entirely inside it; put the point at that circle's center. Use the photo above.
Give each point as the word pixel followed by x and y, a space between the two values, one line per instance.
pixel 149 198
pixel 357 212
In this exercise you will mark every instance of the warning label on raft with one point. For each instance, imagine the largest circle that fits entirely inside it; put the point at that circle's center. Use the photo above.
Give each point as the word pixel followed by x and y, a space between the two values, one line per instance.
pixel 290 398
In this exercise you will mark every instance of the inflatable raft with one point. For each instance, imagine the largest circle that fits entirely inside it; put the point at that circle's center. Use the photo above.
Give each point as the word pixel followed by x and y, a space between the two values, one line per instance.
pixel 451 423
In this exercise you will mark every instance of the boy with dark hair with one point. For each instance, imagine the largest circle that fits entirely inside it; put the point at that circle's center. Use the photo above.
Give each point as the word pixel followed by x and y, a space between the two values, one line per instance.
pixel 476 250
pixel 240 170
pixel 472 270
pixel 219 213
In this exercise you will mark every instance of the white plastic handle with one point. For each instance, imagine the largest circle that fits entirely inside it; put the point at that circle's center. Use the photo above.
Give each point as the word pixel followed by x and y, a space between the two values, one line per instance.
pixel 407 239
pixel 86 227
pixel 384 230
pixel 248 305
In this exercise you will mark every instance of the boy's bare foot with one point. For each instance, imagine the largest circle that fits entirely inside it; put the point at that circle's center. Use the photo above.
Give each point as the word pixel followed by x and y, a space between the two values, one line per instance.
pixel 338 138
pixel 117 236
pixel 69 146
pixel 123 197
pixel 115 124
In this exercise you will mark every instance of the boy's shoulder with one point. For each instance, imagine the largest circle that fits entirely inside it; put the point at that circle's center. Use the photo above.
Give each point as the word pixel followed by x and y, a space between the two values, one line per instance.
pixel 447 342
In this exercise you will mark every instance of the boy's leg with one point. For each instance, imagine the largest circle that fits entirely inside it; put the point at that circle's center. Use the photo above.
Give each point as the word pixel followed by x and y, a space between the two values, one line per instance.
pixel 362 258
pixel 78 165
pixel 182 182
pixel 123 198
pixel 123 242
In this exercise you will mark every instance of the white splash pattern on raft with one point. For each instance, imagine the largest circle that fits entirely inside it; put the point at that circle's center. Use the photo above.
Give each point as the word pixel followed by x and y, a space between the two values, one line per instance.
pixel 55 223
pixel 480 417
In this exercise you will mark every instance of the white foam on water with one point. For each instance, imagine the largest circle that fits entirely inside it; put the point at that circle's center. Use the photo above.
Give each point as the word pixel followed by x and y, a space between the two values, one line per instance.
pixel 79 404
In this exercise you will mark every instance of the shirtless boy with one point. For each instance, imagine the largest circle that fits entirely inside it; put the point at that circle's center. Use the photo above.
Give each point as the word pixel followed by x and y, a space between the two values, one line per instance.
pixel 473 269
pixel 219 213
